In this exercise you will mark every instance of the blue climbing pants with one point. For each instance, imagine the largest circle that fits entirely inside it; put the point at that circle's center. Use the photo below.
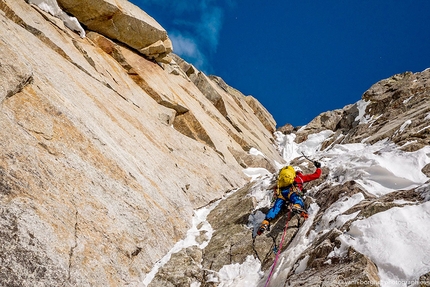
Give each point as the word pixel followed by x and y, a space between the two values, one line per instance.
pixel 276 208
pixel 297 199
pixel 280 203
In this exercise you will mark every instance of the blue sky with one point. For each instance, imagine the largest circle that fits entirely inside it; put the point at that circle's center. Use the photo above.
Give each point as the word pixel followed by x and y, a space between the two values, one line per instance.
pixel 298 58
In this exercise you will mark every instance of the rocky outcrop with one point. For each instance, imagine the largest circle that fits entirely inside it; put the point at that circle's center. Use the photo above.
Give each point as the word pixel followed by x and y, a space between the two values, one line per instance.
pixel 396 109
pixel 353 270
pixel 286 129
pixel 183 269
pixel 262 113
pixel 230 103
pixel 249 160
pixel 325 121
pixel 205 85
pixel 424 280
pixel 183 119
pixel 399 109
pixel 259 110
pixel 124 22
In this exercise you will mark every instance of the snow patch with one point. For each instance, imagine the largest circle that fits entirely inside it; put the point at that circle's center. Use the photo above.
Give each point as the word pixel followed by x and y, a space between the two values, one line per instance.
pixel 246 274
pixel 340 251
pixel 331 218
pixel 402 202
pixel 199 226
pixel 262 192
pixel 362 117
pixel 314 143
pixel 380 168
pixel 344 218
pixel 423 129
pixel 286 146
pixel 256 172
pixel 254 151
pixel 407 100
pixel 291 150
pixel 403 126
pixel 374 119
pixel 396 240
pixel 302 265
pixel 408 143
pixel 51 7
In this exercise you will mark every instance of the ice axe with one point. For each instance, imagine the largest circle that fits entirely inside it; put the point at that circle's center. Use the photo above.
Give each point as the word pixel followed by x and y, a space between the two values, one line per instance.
pixel 307 157
pixel 314 162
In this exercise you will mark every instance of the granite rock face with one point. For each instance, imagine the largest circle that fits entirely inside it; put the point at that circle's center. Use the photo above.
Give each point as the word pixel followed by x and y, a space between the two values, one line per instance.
pixel 104 154
pixel 16 74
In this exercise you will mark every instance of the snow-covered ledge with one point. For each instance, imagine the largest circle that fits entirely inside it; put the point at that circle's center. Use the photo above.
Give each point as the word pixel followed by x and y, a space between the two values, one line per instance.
pixel 51 6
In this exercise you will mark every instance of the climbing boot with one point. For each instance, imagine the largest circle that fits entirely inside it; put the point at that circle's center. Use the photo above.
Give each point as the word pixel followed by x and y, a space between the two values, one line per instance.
pixel 296 208
pixel 304 214
pixel 263 227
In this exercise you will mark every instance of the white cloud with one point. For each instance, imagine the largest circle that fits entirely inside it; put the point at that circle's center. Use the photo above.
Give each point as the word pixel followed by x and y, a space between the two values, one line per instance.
pixel 183 45
pixel 210 26
pixel 199 22
pixel 188 47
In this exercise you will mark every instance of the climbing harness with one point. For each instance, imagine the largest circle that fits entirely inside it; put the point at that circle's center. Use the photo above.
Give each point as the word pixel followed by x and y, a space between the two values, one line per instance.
pixel 278 249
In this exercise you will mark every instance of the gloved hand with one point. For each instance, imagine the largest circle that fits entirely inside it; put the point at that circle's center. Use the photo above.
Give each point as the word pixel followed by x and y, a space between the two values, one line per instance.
pixel 317 164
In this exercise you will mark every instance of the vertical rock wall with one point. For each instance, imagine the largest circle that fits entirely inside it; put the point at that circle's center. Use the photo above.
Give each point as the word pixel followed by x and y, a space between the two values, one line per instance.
pixel 104 154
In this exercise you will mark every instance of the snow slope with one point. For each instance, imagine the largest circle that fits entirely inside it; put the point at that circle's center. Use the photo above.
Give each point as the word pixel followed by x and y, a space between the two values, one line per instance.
pixel 397 240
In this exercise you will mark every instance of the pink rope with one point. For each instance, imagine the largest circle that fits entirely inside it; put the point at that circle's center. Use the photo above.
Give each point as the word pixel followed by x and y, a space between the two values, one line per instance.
pixel 279 251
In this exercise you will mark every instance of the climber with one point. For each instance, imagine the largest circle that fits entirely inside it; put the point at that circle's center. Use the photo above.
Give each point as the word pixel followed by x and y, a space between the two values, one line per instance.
pixel 292 194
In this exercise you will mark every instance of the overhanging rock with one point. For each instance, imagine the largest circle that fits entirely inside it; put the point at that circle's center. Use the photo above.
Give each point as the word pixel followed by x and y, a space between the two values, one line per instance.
pixel 123 21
